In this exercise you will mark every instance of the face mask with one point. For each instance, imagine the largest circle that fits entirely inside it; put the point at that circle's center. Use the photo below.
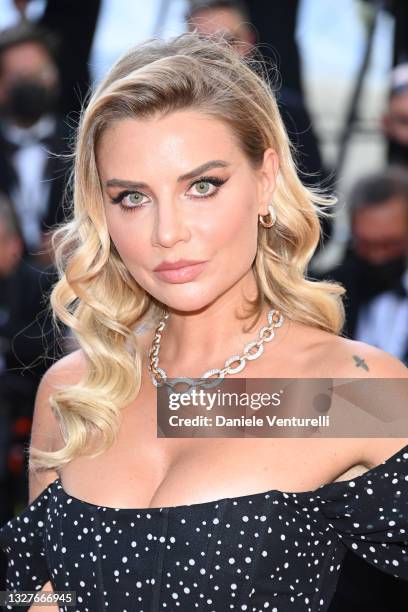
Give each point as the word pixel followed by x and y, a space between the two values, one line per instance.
pixel 376 278
pixel 398 152
pixel 29 100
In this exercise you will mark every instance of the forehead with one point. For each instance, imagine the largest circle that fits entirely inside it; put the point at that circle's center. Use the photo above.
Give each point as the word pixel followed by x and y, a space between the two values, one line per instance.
pixel 24 56
pixel 399 102
pixel 211 20
pixel 179 140
pixel 388 219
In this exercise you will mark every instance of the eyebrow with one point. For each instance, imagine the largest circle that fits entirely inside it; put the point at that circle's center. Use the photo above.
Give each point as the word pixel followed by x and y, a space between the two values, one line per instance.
pixel 215 163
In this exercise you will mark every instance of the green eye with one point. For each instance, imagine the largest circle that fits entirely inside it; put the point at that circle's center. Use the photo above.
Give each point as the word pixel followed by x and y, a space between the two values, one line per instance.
pixel 202 186
pixel 133 198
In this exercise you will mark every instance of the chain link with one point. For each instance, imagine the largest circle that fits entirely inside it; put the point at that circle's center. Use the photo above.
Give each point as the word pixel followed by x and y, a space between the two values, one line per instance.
pixel 266 334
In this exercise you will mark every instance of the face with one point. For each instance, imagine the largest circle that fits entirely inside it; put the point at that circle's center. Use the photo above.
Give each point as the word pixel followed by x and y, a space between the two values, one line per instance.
pixel 28 83
pixel 187 192
pixel 27 61
pixel 229 22
pixel 396 120
pixel 381 233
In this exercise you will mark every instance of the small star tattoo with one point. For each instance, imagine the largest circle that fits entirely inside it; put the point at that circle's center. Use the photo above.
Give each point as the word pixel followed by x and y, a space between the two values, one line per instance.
pixel 360 363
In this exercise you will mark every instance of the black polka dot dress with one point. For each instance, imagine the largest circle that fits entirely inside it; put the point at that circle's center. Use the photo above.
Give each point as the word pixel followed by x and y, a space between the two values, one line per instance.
pixel 270 551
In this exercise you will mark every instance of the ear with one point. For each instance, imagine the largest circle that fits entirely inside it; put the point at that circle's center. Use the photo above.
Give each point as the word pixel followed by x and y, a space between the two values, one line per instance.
pixel 268 175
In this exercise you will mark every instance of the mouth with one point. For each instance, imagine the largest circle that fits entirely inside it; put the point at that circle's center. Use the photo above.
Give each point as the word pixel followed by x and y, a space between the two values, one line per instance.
pixel 181 275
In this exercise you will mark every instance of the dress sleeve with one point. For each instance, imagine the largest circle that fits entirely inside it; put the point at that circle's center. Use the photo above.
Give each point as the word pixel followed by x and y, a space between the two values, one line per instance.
pixel 369 514
pixel 22 539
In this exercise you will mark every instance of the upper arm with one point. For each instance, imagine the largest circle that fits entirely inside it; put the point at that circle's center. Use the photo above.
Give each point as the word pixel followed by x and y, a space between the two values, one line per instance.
pixel 361 360
pixel 45 432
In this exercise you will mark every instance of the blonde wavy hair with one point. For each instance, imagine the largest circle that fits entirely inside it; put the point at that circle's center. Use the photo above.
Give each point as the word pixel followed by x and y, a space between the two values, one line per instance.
pixel 98 299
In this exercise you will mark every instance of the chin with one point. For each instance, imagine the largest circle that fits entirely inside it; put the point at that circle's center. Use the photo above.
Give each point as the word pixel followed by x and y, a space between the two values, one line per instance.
pixel 184 299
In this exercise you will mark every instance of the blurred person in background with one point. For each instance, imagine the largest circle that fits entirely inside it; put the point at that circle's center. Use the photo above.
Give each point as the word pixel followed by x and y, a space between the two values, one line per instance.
pixel 374 269
pixel 31 132
pixel 229 17
pixel 27 341
pixel 395 119
pixel 62 18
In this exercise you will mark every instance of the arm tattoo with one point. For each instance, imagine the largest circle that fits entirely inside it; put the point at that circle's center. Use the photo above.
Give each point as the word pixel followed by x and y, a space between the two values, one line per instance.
pixel 360 363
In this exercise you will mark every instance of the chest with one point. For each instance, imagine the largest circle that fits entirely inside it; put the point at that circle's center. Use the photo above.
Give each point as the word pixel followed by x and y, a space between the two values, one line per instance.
pixel 142 470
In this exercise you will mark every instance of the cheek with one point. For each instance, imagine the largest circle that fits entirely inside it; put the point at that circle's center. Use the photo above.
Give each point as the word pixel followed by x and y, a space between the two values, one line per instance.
pixel 130 242
pixel 236 234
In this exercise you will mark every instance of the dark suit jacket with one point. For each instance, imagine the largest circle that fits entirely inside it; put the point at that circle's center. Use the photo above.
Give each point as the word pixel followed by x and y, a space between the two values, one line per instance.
pixel 29 342
pixel 29 345
pixel 56 172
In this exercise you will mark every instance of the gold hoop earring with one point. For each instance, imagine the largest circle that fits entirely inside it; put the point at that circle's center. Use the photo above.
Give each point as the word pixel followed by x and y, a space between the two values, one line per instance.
pixel 272 214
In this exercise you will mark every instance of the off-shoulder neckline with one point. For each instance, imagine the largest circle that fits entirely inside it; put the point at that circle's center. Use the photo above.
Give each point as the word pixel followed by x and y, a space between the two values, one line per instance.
pixel 240 498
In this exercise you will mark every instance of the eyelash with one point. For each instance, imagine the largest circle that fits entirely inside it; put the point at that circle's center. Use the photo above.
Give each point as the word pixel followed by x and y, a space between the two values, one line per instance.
pixel 213 180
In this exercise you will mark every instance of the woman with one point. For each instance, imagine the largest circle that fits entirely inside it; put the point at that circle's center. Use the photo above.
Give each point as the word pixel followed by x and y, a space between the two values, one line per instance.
pixel 131 521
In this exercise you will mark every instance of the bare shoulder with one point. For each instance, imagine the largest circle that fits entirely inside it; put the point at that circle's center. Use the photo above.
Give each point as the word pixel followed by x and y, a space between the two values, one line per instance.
pixel 324 354
pixel 356 359
pixel 45 431
pixel 67 370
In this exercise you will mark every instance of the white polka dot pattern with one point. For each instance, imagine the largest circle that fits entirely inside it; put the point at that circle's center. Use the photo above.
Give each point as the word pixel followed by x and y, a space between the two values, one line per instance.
pixel 273 550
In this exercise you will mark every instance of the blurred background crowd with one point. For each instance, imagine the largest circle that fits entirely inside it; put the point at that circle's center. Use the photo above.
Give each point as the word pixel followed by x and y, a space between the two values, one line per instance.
pixel 343 95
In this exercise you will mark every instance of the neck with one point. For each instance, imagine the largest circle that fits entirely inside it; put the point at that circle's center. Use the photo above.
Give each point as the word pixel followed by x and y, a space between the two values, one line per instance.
pixel 193 342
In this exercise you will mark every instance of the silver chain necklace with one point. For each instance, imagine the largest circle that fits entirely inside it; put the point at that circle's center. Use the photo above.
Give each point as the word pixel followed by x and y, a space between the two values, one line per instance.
pixel 252 350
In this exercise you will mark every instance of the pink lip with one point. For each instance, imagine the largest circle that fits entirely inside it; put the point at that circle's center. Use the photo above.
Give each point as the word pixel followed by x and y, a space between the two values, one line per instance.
pixel 181 263
pixel 181 275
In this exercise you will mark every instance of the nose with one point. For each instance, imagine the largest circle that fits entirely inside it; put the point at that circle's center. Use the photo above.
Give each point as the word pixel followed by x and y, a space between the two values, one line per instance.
pixel 170 224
